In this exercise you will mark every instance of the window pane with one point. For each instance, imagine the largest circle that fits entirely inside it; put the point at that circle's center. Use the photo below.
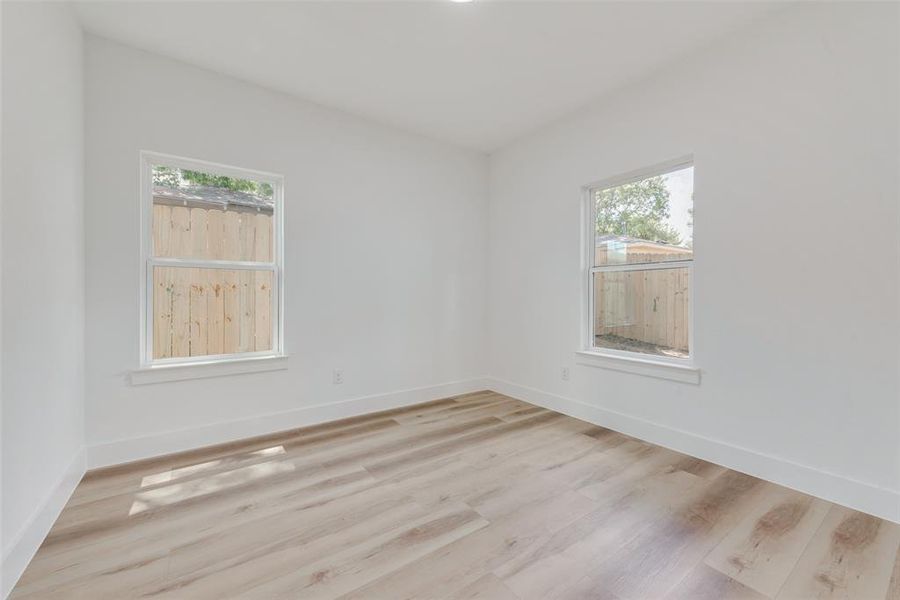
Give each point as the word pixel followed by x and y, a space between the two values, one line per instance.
pixel 643 311
pixel 200 215
pixel 200 312
pixel 645 221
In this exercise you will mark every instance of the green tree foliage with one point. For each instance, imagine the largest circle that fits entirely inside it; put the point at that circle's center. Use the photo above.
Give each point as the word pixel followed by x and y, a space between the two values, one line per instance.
pixel 637 210
pixel 169 177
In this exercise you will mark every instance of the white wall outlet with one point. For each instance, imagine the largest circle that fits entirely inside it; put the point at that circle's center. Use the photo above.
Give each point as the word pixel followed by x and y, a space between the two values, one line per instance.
pixel 564 373
pixel 337 376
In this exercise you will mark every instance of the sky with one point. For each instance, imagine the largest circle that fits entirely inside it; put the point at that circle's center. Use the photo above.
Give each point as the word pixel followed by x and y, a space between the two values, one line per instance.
pixel 681 189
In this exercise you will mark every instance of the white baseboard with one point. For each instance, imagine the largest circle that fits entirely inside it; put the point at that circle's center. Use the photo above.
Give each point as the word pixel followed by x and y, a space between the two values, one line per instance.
pixel 122 451
pixel 859 495
pixel 25 543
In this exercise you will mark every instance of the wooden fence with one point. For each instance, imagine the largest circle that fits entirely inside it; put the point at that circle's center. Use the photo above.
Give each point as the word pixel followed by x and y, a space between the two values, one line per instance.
pixel 199 312
pixel 648 306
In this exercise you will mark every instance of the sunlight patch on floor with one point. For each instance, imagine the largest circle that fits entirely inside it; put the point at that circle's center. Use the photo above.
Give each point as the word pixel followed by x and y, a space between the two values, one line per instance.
pixel 181 472
pixel 179 492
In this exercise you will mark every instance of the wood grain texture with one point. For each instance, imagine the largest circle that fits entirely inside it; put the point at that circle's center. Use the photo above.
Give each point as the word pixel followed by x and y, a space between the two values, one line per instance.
pixel 851 556
pixel 762 550
pixel 476 496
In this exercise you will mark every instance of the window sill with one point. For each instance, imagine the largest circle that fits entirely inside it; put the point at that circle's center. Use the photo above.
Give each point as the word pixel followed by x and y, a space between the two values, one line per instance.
pixel 639 366
pixel 218 368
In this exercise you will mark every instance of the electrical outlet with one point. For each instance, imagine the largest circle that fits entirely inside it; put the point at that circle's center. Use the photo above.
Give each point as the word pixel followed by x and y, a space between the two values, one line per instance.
pixel 337 376
pixel 564 373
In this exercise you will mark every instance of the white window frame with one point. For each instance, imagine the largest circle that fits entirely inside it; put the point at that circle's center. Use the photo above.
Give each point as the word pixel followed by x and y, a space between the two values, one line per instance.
pixel 147 161
pixel 666 367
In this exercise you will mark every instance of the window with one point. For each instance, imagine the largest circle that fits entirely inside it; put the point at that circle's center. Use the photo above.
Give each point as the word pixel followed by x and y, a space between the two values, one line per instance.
pixel 640 249
pixel 212 262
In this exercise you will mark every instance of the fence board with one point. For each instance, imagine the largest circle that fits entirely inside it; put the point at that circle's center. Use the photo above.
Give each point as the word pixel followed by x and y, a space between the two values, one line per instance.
pixel 231 301
pixel 262 325
pixel 661 308
pixel 681 310
pixel 263 306
pixel 215 234
pixel 180 245
pixel 181 312
pixel 162 226
pixel 232 310
pixel 247 342
pixel 199 331
pixel 215 312
pixel 638 283
pixel 180 232
pixel 232 242
pixel 199 319
pixel 248 236
pixel 162 313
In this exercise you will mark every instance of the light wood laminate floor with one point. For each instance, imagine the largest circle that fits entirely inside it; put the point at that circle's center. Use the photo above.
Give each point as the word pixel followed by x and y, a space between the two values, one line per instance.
pixel 478 496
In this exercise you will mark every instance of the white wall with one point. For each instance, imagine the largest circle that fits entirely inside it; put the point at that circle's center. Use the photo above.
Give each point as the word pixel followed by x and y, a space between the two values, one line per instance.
pixel 385 238
pixel 42 273
pixel 795 131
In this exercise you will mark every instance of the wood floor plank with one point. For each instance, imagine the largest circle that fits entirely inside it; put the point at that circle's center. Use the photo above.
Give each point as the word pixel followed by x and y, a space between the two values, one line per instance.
pixel 449 569
pixel 507 537
pixel 475 496
pixel 112 547
pixel 762 550
pixel 116 481
pixel 320 518
pixel 427 453
pixel 585 588
pixel 281 470
pixel 582 546
pixel 488 587
pixel 706 582
pixel 675 544
pixel 250 571
pixel 340 573
pixel 480 407
pixel 851 556
pixel 526 411
pixel 542 446
pixel 893 592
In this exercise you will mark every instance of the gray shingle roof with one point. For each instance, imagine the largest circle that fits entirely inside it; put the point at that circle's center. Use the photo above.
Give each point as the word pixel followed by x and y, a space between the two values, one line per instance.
pixel 212 197
pixel 606 238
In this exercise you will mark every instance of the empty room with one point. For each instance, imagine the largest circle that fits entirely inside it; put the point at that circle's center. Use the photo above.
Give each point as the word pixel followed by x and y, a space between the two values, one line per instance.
pixel 450 299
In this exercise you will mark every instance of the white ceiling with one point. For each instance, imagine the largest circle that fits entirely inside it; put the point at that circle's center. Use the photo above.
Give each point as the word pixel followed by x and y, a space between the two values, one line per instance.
pixel 477 74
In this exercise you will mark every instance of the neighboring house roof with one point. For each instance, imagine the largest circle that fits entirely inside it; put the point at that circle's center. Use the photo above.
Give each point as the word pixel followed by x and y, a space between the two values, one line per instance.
pixel 212 197
pixel 603 240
